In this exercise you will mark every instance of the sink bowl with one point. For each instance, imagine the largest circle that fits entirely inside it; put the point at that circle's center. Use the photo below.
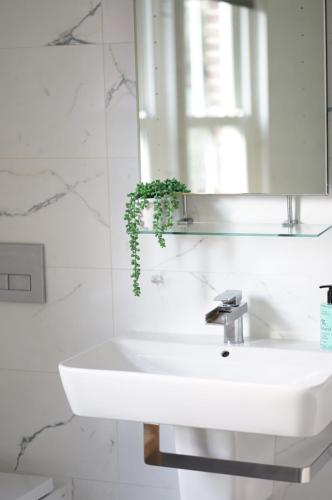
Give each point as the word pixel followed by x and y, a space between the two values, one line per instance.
pixel 273 387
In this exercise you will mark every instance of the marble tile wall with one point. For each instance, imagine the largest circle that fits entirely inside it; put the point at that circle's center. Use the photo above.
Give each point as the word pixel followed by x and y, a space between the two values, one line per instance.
pixel 68 156
pixel 55 71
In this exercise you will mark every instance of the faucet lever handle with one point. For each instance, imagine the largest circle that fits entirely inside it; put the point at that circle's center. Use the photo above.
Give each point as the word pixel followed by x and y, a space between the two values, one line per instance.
pixel 230 297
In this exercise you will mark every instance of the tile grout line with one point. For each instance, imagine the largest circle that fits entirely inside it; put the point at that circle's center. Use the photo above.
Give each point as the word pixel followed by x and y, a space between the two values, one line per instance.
pixel 124 483
pixel 108 176
pixel 79 268
pixel 108 160
pixel 21 370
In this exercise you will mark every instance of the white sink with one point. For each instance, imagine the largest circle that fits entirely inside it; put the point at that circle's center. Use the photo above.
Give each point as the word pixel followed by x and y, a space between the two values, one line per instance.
pixel 267 387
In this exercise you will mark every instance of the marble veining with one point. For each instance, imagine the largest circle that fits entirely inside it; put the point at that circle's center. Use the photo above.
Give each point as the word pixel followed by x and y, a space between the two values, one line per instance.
pixel 122 81
pixel 76 94
pixel 68 37
pixel 255 316
pixel 285 491
pixel 69 188
pixel 203 279
pixel 180 254
pixel 45 307
pixel 27 440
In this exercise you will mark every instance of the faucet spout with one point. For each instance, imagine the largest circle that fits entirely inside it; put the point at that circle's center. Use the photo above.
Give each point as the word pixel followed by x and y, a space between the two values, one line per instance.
pixel 229 314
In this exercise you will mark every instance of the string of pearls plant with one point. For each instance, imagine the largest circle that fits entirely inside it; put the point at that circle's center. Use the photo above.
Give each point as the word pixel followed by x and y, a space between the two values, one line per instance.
pixel 164 197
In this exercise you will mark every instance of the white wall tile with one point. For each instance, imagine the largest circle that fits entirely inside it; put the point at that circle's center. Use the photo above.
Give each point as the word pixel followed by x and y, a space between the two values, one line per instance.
pixel 132 468
pixel 319 488
pixel 36 420
pixel 65 206
pixel 123 179
pixel 121 100
pixel 130 492
pixel 280 305
pixel 94 490
pixel 39 22
pixel 77 315
pixel 118 22
pixel 52 103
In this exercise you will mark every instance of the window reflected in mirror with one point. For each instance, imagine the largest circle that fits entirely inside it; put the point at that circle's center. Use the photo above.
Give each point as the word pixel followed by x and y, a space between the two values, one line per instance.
pixel 232 94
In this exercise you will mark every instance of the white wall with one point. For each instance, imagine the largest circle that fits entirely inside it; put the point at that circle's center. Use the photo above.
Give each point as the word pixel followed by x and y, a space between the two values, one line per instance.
pixel 68 156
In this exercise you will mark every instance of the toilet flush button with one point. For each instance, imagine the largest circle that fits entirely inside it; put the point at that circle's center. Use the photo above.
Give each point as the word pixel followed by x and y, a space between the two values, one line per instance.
pixel 24 264
pixel 20 282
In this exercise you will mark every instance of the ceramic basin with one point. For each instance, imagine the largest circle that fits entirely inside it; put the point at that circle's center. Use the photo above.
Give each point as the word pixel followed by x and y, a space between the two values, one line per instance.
pixel 267 387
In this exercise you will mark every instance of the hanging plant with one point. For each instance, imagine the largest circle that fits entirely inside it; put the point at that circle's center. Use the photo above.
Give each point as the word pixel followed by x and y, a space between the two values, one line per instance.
pixel 164 197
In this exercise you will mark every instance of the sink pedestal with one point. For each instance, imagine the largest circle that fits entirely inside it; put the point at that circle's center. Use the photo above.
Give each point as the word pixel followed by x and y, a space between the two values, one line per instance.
pixel 222 444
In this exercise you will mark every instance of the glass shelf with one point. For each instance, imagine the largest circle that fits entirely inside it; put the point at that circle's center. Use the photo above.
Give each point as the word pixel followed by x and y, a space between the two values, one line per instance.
pixel 244 229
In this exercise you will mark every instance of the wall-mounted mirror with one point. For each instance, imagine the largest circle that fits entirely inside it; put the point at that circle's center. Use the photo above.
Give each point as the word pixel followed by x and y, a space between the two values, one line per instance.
pixel 232 94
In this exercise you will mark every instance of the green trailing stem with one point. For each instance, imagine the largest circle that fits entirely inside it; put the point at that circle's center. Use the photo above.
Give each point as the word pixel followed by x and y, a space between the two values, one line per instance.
pixel 164 195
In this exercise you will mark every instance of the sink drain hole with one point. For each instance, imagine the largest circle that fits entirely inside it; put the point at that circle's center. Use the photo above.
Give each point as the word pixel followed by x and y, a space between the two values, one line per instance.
pixel 225 354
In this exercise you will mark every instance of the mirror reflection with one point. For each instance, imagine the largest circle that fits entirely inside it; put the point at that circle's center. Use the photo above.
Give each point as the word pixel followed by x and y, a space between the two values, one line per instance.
pixel 232 94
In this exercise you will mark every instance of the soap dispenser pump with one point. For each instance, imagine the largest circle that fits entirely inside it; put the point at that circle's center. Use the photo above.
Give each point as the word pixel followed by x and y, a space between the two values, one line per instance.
pixel 326 321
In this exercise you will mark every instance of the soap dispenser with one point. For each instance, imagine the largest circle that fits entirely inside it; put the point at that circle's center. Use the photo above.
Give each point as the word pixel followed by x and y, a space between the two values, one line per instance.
pixel 326 321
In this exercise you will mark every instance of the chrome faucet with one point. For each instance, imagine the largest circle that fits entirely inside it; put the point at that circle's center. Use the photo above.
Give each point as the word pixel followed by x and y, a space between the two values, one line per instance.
pixel 230 314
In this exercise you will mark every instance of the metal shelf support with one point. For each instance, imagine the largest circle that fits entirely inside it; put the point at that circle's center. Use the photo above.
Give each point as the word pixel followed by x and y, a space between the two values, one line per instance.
pixel 291 220
pixel 289 474
pixel 185 218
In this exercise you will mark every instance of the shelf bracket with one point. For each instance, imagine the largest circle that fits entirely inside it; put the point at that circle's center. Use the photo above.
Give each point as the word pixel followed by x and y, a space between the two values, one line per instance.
pixel 291 218
pixel 185 219
pixel 286 473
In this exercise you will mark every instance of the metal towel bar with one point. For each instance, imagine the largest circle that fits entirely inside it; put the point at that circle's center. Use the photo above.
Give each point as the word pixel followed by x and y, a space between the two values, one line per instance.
pixel 289 474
